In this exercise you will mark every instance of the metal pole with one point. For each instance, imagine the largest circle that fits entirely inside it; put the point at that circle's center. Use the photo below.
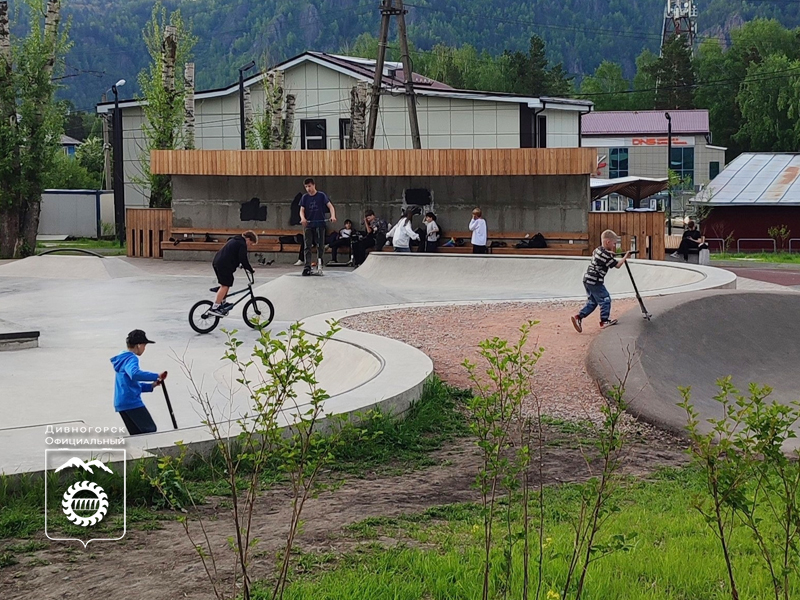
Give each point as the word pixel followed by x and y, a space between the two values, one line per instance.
pixel 669 168
pixel 409 77
pixel 386 13
pixel 241 109
pixel 107 181
pixel 119 179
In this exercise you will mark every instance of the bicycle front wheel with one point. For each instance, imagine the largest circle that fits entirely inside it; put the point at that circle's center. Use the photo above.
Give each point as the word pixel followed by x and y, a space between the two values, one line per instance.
pixel 258 312
pixel 200 319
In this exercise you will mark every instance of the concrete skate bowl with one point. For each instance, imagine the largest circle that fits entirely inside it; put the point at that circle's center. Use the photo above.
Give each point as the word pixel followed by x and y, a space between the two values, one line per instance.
pixel 388 278
pixel 55 266
pixel 696 339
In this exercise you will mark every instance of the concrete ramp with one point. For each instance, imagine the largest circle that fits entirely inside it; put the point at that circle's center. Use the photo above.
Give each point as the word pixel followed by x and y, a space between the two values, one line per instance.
pixel 695 340
pixel 388 278
pixel 70 267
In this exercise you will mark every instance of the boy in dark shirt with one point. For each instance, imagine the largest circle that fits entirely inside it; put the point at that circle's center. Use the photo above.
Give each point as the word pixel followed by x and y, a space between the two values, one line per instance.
pixel 692 240
pixel 226 261
pixel 313 206
pixel 594 282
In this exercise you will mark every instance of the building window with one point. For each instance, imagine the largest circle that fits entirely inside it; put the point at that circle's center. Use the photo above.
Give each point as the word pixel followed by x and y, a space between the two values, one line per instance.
pixel 541 130
pixel 313 134
pixel 713 169
pixel 618 163
pixel 344 134
pixel 682 163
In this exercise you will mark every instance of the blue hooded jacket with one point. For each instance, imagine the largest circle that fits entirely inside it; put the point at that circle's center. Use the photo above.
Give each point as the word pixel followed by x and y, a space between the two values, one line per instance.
pixel 131 382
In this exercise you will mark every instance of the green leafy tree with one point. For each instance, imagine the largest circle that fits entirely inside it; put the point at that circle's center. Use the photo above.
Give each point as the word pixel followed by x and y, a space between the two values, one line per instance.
pixel 163 109
pixel 91 157
pixel 607 87
pixel 529 74
pixel 674 74
pixel 30 122
pixel 67 173
pixel 644 83
pixel 770 106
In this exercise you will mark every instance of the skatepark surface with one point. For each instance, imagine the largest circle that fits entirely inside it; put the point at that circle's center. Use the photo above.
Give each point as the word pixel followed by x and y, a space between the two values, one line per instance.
pixel 84 306
pixel 696 339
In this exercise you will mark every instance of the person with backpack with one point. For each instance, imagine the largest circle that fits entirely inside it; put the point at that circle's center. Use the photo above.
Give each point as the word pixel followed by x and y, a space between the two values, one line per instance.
pixel 432 233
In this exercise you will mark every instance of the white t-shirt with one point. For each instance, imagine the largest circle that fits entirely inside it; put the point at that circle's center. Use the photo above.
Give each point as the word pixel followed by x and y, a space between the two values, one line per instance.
pixel 402 234
pixel 432 231
pixel 479 232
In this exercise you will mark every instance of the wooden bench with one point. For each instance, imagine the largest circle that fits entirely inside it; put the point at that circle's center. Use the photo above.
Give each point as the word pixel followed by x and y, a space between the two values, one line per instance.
pixel 672 242
pixel 214 238
pixel 558 243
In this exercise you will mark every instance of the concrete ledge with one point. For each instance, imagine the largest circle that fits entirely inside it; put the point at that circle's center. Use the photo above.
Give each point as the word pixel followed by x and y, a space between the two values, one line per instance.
pixel 14 337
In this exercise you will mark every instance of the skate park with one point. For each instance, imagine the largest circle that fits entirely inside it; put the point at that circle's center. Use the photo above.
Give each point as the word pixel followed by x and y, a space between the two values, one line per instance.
pixel 82 306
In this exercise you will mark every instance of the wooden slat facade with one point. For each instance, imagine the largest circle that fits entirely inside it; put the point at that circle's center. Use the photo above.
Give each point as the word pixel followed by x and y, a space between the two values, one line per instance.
pixel 376 163
pixel 146 229
pixel 647 227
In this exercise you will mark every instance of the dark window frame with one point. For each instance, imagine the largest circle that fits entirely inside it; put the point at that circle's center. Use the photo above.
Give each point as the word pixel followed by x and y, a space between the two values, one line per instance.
pixel 615 173
pixel 344 134
pixel 304 123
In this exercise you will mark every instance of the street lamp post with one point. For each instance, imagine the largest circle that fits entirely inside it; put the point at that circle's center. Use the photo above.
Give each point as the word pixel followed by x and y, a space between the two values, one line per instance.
pixel 119 179
pixel 669 168
pixel 242 70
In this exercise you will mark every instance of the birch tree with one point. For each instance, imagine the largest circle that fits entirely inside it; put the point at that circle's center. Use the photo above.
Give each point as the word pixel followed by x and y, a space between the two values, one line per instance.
pixel 169 42
pixel 271 128
pixel 30 121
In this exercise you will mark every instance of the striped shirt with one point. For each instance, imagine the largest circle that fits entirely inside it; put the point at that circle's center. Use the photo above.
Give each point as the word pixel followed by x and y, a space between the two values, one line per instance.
pixel 602 261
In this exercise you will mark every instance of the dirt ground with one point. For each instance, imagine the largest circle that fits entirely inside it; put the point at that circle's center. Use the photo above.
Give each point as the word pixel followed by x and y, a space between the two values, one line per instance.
pixel 162 564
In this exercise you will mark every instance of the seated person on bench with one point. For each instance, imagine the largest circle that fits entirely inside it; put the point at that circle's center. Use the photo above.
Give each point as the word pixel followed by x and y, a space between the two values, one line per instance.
pixel 692 240
pixel 340 239
pixel 226 261
pixel 375 237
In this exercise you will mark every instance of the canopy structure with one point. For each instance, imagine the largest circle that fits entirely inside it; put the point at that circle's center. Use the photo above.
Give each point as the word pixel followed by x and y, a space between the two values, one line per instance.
pixel 636 188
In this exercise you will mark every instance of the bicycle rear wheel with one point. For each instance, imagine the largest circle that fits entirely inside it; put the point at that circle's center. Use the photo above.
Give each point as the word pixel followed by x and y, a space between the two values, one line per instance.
pixel 200 319
pixel 258 312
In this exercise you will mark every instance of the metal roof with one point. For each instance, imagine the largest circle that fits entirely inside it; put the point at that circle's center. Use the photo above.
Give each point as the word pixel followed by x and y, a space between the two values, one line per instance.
pixel 762 179
pixel 626 122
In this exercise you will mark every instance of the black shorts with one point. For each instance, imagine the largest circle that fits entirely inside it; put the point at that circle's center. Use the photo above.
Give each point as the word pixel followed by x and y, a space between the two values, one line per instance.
pixel 224 276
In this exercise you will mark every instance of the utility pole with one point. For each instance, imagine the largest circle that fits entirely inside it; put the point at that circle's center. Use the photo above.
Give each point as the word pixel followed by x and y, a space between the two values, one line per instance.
pixel 388 9
pixel 107 184
pixel 386 13
pixel 408 76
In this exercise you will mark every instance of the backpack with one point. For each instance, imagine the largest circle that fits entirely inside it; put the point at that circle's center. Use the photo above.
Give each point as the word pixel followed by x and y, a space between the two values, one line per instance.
pixel 537 241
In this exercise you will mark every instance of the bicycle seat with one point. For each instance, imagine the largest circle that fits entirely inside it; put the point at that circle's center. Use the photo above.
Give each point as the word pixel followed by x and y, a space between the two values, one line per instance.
pixel 214 289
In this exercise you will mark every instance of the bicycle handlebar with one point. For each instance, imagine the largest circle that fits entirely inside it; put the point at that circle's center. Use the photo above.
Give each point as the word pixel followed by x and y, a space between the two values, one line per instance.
pixel 250 277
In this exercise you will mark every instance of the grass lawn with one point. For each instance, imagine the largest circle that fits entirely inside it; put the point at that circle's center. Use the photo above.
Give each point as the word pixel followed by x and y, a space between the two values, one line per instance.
pixel 436 555
pixel 106 247
pixel 765 257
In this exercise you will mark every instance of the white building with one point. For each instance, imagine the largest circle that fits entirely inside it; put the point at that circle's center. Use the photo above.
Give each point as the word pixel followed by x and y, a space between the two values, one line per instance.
pixel 322 83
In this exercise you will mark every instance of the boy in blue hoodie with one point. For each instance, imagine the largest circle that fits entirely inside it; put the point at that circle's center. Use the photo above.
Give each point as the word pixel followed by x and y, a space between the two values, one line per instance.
pixel 131 382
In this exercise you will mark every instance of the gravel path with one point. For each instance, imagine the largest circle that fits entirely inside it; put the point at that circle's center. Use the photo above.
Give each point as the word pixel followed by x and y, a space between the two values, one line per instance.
pixel 452 333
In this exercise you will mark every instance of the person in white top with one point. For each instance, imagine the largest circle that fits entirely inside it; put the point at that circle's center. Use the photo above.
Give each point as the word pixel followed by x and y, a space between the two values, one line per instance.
pixel 402 233
pixel 479 232
pixel 432 233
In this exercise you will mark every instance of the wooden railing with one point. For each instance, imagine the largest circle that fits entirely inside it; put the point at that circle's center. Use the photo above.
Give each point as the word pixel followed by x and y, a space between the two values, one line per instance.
pixel 145 229
pixel 375 163
pixel 646 227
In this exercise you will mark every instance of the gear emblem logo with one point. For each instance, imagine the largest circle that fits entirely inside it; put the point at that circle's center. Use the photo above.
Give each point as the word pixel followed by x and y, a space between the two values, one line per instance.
pixel 85 510
pixel 87 490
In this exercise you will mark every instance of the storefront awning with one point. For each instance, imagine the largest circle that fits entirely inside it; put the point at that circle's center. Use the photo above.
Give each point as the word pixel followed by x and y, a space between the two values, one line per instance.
pixel 636 188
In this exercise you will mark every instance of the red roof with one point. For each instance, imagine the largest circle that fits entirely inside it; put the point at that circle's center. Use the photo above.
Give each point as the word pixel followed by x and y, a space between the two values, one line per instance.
pixel 644 122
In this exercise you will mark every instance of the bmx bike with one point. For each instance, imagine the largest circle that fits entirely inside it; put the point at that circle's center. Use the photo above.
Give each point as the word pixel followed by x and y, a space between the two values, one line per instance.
pixel 257 311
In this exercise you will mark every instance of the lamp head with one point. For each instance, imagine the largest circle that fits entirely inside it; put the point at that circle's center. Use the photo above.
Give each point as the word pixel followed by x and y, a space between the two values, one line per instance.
pixel 667 116
pixel 248 66
pixel 120 83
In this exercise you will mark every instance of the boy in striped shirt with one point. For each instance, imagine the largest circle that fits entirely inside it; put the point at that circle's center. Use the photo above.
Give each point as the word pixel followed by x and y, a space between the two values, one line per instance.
pixel 603 259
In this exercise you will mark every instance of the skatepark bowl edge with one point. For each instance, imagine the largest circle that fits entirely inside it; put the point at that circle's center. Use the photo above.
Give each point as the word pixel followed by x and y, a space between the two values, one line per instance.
pixel 84 306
